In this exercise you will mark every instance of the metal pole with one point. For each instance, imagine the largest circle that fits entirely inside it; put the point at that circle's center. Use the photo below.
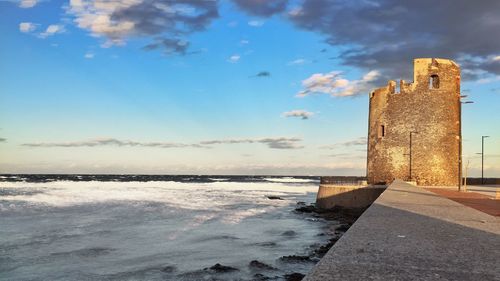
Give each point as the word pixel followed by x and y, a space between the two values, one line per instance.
pixel 410 156
pixel 459 145
pixel 482 160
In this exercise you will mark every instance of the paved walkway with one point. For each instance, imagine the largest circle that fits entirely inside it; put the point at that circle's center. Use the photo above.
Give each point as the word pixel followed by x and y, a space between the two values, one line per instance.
pixel 478 201
pixel 410 233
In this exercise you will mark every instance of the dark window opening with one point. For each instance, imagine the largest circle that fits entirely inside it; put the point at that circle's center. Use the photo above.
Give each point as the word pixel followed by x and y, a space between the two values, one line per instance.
pixel 381 132
pixel 434 82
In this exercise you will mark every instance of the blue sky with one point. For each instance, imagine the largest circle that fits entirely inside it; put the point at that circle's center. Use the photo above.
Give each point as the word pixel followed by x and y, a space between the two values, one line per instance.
pixel 214 87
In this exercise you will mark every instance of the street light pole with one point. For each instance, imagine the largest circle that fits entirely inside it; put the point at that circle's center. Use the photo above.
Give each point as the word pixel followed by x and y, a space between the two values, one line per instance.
pixel 460 139
pixel 482 158
pixel 411 133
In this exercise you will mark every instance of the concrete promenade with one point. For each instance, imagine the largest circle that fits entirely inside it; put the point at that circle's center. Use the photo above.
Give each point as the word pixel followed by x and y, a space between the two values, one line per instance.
pixel 410 233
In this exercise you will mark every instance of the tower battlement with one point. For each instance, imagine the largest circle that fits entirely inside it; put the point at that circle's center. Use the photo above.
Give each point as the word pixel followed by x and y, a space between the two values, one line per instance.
pixel 427 111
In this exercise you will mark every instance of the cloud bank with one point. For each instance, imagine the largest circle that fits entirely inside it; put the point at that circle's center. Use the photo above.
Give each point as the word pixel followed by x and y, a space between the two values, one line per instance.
pixel 275 143
pixel 167 22
pixel 388 34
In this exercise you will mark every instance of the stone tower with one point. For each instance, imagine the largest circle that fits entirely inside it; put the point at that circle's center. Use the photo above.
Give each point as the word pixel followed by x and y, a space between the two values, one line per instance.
pixel 415 131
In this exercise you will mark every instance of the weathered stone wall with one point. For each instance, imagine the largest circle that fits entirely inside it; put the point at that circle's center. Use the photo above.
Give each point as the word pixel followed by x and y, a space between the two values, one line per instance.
pixel 432 112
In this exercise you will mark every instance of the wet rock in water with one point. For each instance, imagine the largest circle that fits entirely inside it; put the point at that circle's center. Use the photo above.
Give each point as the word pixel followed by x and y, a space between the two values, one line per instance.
pixel 262 277
pixel 301 203
pixel 322 250
pixel 289 233
pixel 294 276
pixel 219 268
pixel 270 197
pixel 266 244
pixel 169 269
pixel 260 265
pixel 306 209
pixel 295 258
pixel 343 228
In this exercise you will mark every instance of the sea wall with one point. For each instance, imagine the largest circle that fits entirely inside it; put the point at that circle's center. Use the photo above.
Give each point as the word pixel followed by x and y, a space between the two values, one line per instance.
pixel 409 233
pixel 347 196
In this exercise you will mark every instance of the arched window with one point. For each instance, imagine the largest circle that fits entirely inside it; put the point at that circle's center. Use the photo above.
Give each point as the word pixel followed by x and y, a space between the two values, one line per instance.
pixel 434 82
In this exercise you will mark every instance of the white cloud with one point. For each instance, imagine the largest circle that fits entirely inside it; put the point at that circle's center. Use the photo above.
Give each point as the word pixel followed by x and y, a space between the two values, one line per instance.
pixel 298 113
pixel 256 23
pixel 234 58
pixel 334 84
pixel 28 3
pixel 488 80
pixel 298 62
pixel 355 142
pixel 27 27
pixel 244 42
pixel 496 58
pixel 89 55
pixel 295 12
pixel 51 30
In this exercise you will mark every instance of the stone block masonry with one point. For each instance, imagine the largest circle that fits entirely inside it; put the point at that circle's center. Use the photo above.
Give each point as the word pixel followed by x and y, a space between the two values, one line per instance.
pixel 425 113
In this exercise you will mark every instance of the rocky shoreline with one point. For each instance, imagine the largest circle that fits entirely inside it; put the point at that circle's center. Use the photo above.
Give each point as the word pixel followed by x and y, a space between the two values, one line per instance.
pixel 337 222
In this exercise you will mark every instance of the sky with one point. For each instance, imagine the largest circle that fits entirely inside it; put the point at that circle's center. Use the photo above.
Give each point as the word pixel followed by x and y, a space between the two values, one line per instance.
pixel 230 86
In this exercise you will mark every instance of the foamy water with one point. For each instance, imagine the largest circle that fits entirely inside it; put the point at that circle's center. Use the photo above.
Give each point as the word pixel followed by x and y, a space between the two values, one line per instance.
pixel 135 230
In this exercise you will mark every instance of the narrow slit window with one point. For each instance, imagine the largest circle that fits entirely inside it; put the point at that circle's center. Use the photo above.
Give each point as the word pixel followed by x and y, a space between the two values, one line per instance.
pixel 381 131
pixel 434 82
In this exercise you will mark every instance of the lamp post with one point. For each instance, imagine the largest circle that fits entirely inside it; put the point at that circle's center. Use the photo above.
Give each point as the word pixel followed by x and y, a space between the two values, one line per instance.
pixel 411 133
pixel 482 158
pixel 460 140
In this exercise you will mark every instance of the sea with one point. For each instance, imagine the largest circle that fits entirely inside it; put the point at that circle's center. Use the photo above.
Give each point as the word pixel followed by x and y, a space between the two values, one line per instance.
pixel 153 227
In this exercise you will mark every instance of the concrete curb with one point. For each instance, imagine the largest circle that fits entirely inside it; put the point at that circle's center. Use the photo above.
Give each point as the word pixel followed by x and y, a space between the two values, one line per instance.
pixel 412 234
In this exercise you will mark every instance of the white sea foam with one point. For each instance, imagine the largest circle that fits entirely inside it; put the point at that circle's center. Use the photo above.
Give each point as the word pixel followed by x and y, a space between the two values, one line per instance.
pixel 290 180
pixel 196 196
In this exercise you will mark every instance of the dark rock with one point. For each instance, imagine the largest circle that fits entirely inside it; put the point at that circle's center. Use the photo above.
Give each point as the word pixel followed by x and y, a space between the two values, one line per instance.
pixel 260 265
pixel 301 203
pixel 266 244
pixel 289 233
pixel 169 269
pixel 343 228
pixel 274 197
pixel 294 276
pixel 306 209
pixel 294 258
pixel 322 250
pixel 219 268
pixel 262 277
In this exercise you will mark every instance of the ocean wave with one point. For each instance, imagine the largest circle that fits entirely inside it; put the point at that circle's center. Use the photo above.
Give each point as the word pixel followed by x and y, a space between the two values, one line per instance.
pixel 291 180
pixel 211 196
